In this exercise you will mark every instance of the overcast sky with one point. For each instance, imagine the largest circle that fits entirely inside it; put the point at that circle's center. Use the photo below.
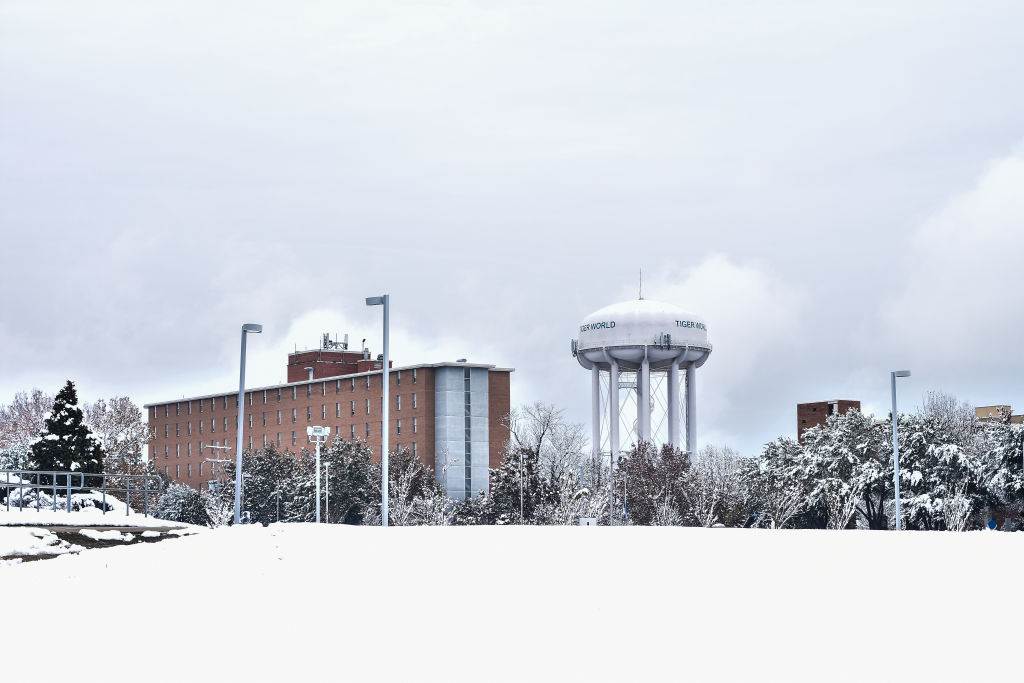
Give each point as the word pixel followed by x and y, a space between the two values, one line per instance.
pixel 838 188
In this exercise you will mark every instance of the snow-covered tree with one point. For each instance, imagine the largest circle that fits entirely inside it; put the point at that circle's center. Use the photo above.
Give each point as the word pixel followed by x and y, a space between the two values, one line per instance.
pixel 775 485
pixel 650 477
pixel 516 481
pixel 120 427
pixel 22 420
pixel 712 488
pixel 180 503
pixel 66 443
pixel 839 462
pixel 541 429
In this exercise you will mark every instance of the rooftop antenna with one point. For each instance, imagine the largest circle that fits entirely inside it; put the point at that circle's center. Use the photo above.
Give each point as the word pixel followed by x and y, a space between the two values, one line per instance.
pixel 641 294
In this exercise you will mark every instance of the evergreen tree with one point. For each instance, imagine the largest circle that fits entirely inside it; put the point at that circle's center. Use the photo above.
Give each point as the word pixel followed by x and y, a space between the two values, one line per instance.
pixel 66 444
pixel 519 472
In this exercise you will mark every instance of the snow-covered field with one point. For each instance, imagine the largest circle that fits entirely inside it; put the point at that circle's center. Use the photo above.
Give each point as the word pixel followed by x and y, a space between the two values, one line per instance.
pixel 85 517
pixel 525 603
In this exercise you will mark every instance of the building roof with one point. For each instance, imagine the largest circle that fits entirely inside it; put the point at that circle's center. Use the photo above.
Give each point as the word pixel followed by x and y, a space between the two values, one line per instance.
pixel 353 375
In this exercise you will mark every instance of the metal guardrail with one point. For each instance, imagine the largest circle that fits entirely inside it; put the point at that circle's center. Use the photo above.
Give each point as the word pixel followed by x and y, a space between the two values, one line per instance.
pixel 50 483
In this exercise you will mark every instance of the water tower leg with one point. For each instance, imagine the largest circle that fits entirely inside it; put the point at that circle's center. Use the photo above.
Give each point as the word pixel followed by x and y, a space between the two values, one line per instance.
pixel 613 409
pixel 643 396
pixel 673 404
pixel 691 409
pixel 595 410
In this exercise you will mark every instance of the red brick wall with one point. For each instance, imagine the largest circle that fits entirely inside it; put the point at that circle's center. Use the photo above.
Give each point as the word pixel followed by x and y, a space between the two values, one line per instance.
pixel 499 405
pixel 814 414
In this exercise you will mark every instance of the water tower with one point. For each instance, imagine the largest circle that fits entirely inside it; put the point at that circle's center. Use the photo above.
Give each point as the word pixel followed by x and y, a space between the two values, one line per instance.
pixel 637 352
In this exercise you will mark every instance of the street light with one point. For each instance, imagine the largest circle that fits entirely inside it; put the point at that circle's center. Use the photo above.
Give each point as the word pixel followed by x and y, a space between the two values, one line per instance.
pixel 896 447
pixel 256 329
pixel 383 300
pixel 318 435
pixel 327 503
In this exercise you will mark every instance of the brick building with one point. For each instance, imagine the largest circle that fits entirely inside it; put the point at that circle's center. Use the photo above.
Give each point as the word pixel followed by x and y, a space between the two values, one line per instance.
pixel 441 412
pixel 814 414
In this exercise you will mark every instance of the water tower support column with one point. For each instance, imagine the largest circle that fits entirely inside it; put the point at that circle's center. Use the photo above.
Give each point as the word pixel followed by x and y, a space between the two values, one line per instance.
pixel 595 410
pixel 613 407
pixel 691 409
pixel 643 399
pixel 673 404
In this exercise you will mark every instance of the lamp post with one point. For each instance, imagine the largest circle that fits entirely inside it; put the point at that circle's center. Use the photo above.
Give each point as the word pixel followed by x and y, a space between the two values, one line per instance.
pixel 246 328
pixel 896 447
pixel 383 300
pixel 521 474
pixel 327 502
pixel 318 435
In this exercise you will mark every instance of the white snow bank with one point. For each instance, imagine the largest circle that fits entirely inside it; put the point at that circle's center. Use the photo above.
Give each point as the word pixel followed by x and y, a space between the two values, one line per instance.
pixel 29 541
pixel 107 535
pixel 543 603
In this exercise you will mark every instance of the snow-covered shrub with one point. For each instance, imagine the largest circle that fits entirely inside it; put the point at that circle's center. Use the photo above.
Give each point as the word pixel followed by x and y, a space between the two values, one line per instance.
pixel 181 503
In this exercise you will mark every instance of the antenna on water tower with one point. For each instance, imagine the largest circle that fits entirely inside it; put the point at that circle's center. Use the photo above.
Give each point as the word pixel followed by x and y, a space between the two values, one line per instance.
pixel 641 293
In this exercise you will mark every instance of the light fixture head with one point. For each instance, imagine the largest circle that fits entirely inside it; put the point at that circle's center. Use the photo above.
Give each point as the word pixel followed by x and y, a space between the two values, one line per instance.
pixel 902 373
pixel 252 327
pixel 374 301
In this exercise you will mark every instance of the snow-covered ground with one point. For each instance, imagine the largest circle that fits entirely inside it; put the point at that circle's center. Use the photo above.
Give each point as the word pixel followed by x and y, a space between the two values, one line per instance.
pixel 84 517
pixel 527 604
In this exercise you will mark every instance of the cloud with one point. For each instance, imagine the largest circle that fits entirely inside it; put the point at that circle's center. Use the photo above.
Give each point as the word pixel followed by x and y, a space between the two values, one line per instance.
pixel 962 299
pixel 751 315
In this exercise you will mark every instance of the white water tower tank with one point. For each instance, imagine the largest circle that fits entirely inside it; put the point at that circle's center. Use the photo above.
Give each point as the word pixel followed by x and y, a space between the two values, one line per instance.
pixel 623 345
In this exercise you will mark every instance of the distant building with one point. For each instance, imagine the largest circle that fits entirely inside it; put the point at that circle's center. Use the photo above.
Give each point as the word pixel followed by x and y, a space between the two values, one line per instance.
pixel 814 414
pixel 996 413
pixel 443 413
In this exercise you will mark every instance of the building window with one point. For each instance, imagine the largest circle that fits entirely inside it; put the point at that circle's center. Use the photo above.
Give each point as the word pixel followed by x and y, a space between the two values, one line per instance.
pixel 337 430
pixel 264 440
pixel 353 406
pixel 177 429
pixel 278 395
pixel 250 442
pixel 414 401
pixel 177 450
pixel 414 451
pixel 337 386
pixel 323 391
pixel 414 425
pixel 236 401
pixel 188 449
pixel 353 384
pixel 323 411
pixel 309 390
pixel 225 424
pixel 337 410
pixel 177 471
pixel 309 413
pixel 264 418
pixel 177 409
pixel 190 407
pixel 250 420
pixel 225 403
pixel 295 414
pixel 398 401
pixel 414 375
pixel 165 431
pixel 367 381
pixel 200 468
pixel 200 426
pixel 352 432
pixel 398 378
pixel 165 471
pixel 190 429
pixel 468 442
pixel 188 468
pixel 279 439
pixel 213 425
pixel 264 395
pixel 368 432
pixel 294 389
pixel 213 405
pixel 367 406
pixel 166 411
pixel 398 426
pixel 201 402
pixel 294 442
pixel 279 417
